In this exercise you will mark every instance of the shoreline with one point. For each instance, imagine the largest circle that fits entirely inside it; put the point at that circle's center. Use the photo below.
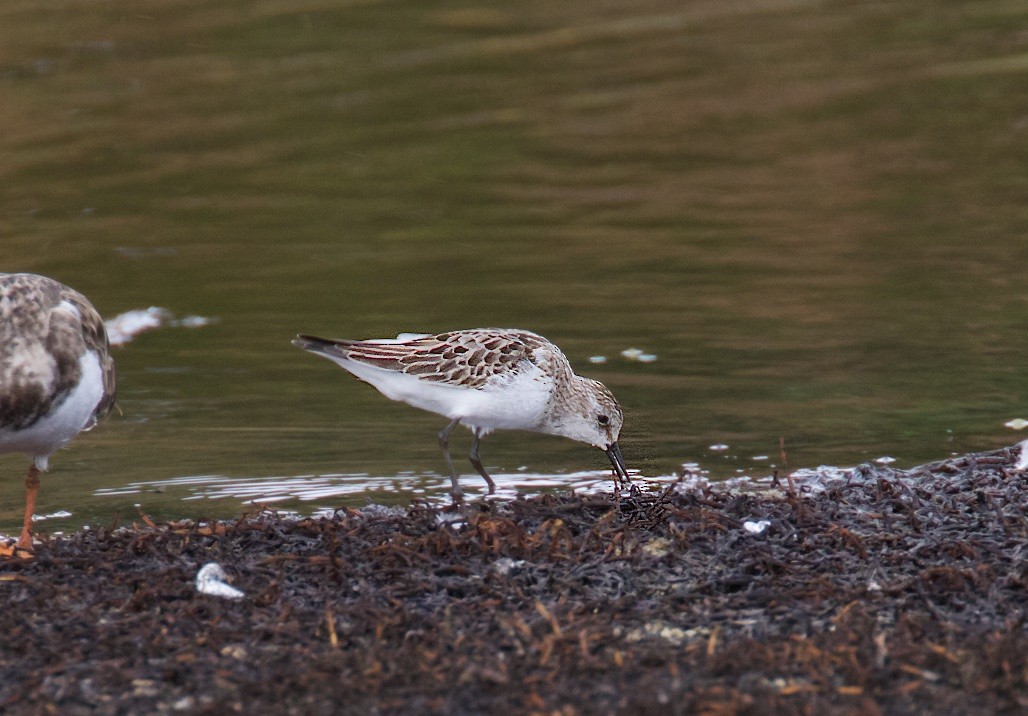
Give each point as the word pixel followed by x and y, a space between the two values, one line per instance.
pixel 888 592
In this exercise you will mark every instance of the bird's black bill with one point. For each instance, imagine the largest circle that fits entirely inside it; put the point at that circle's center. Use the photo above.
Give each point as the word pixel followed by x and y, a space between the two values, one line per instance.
pixel 620 472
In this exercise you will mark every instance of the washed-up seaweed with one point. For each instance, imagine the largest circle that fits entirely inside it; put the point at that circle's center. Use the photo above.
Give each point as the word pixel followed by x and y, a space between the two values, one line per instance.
pixel 884 591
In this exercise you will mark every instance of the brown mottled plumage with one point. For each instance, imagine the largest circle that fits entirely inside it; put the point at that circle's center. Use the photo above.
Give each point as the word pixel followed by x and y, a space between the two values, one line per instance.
pixel 469 359
pixel 56 372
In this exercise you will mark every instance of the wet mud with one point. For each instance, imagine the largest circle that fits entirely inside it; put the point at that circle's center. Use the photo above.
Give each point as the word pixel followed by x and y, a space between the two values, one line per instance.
pixel 882 592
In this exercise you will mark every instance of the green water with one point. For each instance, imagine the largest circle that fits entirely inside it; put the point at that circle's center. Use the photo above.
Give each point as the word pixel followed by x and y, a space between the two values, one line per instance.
pixel 813 213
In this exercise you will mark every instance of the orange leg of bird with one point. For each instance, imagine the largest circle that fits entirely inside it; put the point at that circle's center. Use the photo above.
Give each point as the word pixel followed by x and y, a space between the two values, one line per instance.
pixel 23 547
pixel 31 489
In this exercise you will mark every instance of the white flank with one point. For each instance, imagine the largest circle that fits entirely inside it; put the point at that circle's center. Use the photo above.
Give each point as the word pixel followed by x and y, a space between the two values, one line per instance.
pixel 72 416
pixel 514 405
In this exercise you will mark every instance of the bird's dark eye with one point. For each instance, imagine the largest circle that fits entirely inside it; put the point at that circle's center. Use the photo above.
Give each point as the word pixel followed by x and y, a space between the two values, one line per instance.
pixel 602 419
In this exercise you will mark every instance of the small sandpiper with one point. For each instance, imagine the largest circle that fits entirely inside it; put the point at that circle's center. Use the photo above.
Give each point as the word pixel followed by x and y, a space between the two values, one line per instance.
pixel 56 375
pixel 487 379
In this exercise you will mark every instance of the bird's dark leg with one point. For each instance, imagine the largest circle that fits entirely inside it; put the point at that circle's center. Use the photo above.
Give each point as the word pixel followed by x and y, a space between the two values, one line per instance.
pixel 31 489
pixel 444 439
pixel 477 462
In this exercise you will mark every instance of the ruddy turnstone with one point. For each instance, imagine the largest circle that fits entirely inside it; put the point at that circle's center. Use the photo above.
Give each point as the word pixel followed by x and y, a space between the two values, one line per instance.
pixel 56 374
pixel 487 379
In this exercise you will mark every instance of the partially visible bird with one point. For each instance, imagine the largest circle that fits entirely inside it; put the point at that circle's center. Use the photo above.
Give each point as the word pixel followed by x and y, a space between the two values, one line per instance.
pixel 487 379
pixel 56 375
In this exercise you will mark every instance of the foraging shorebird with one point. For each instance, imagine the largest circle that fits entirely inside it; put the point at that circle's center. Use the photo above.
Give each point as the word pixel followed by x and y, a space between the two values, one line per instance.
pixel 56 374
pixel 487 379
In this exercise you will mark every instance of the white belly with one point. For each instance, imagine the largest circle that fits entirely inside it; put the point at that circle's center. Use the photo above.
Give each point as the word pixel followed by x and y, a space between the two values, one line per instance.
pixel 517 405
pixel 53 431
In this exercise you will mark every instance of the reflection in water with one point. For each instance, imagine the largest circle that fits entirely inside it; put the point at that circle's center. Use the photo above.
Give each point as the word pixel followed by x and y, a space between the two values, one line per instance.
pixel 325 493
pixel 357 489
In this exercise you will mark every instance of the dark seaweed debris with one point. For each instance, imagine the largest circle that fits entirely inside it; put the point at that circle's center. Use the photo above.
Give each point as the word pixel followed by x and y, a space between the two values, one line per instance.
pixel 890 592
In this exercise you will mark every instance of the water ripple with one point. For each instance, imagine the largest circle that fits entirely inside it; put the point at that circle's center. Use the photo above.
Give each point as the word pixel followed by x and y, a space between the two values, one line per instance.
pixel 314 488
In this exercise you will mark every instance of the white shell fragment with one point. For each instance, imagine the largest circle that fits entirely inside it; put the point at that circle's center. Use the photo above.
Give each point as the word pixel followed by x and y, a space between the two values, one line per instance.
pixel 1017 424
pixel 755 528
pixel 638 355
pixel 210 580
pixel 505 566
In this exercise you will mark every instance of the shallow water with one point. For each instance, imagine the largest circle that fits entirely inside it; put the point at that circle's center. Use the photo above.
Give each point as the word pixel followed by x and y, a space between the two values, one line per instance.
pixel 813 216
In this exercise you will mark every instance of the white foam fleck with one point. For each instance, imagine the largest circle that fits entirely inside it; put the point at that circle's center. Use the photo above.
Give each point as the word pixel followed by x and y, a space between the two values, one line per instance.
pixel 637 355
pixel 193 321
pixel 597 359
pixel 60 514
pixel 1017 424
pixel 693 471
pixel 885 460
pixel 819 478
pixel 124 327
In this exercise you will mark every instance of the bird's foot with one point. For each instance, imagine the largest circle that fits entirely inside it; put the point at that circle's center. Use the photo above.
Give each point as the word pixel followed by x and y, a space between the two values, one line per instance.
pixel 15 550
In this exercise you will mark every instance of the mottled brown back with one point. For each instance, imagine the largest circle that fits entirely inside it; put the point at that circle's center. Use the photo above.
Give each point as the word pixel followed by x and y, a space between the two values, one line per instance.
pixel 470 359
pixel 40 347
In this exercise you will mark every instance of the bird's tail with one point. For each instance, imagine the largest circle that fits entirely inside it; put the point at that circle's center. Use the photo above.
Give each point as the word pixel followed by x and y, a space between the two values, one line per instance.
pixel 336 347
